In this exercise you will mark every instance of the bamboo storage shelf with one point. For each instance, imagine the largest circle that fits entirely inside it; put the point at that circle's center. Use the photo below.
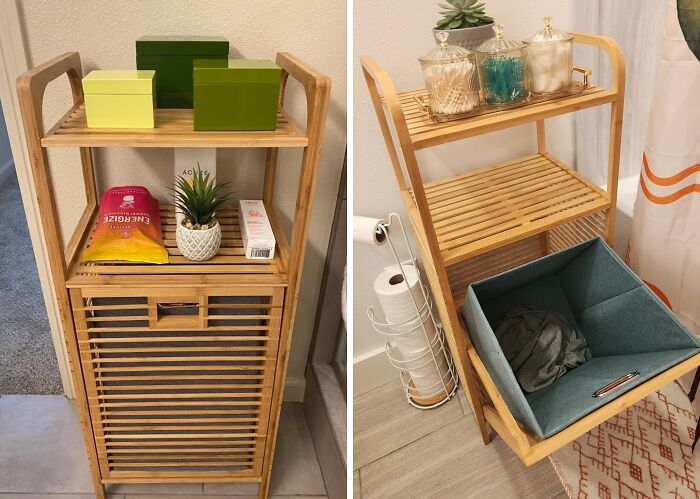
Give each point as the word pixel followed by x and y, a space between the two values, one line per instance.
pixel 178 368
pixel 477 224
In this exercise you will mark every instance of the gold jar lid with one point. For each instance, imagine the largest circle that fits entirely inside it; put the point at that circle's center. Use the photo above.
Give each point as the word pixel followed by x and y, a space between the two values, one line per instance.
pixel 499 43
pixel 548 34
pixel 444 52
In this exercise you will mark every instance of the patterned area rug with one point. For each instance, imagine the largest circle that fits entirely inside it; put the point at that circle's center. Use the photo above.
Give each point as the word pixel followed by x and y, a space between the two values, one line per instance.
pixel 643 452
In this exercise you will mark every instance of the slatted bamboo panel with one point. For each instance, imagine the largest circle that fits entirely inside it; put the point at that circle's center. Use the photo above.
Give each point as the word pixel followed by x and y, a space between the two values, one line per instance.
pixel 229 263
pixel 476 212
pixel 173 128
pixel 462 274
pixel 179 381
pixel 576 231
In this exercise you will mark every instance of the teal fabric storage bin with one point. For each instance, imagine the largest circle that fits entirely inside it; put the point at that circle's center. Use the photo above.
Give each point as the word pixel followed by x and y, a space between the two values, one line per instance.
pixel 626 325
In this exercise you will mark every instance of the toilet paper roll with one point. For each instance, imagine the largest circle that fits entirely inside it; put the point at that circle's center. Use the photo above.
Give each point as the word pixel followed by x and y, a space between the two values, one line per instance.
pixel 366 230
pixel 415 337
pixel 428 375
pixel 394 293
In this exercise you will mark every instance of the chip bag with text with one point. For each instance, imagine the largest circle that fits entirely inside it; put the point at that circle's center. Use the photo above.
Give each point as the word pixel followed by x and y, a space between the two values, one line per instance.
pixel 128 228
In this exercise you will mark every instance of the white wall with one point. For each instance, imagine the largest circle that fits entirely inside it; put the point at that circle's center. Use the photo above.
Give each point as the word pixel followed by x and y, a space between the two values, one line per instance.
pixel 104 33
pixel 395 34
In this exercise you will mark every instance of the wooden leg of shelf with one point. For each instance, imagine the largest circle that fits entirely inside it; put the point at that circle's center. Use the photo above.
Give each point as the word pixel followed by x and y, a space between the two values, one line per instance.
pixel 616 111
pixel 541 142
pixel 88 175
pixel 100 492
pixel 270 174
pixel 264 486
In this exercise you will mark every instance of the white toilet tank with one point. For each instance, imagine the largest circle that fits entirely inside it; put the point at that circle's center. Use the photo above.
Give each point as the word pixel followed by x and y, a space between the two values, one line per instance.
pixel 626 196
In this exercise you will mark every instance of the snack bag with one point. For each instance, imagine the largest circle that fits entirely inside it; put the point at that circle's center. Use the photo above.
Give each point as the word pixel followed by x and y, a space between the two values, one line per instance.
pixel 128 228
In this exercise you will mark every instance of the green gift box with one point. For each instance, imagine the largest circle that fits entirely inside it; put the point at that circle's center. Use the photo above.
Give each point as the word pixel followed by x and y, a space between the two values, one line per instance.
pixel 172 58
pixel 237 94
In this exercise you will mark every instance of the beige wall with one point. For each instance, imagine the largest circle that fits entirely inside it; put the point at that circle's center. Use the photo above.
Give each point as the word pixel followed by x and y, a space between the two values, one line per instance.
pixel 104 33
pixel 395 34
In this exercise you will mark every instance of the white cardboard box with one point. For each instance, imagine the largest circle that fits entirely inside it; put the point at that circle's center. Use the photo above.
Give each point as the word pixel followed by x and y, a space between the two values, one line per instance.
pixel 256 231
pixel 186 160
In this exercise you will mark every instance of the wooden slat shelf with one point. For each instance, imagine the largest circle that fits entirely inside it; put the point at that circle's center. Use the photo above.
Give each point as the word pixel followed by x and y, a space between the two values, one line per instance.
pixel 229 266
pixel 426 133
pixel 484 209
pixel 173 128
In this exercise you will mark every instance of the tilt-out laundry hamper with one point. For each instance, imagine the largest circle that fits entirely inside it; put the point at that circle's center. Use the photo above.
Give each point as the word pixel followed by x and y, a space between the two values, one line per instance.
pixel 626 326
pixel 178 368
pixel 477 224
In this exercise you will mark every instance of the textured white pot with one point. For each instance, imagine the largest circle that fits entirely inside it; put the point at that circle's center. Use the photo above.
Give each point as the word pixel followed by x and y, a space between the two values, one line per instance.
pixel 469 38
pixel 198 245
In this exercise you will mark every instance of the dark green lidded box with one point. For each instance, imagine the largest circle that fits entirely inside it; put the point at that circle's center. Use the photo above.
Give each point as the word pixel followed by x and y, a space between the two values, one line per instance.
pixel 237 94
pixel 172 58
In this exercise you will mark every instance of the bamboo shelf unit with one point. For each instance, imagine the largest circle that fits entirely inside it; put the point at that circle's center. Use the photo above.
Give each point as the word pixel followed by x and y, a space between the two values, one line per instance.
pixel 178 368
pixel 477 224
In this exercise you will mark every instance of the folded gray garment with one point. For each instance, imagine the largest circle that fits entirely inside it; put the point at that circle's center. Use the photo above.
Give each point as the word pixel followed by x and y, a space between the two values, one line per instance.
pixel 540 346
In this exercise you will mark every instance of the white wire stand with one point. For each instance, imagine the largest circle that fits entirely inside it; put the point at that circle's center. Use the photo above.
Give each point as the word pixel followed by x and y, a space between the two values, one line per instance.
pixel 435 355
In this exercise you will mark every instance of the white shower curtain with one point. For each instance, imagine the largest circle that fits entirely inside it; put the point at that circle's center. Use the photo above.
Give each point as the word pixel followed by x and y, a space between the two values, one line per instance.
pixel 664 247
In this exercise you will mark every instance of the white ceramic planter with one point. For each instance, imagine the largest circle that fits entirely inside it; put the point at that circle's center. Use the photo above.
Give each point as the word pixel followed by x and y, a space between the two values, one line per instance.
pixel 198 245
pixel 469 38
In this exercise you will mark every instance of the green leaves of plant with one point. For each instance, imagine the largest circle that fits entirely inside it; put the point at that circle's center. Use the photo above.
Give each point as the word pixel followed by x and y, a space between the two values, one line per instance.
pixel 462 14
pixel 199 198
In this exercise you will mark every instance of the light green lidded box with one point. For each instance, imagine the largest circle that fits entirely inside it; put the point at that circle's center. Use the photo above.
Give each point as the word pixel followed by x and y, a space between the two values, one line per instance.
pixel 119 98
pixel 236 94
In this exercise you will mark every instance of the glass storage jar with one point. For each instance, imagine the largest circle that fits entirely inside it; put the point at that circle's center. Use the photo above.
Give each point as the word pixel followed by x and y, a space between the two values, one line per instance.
pixel 451 78
pixel 502 70
pixel 550 60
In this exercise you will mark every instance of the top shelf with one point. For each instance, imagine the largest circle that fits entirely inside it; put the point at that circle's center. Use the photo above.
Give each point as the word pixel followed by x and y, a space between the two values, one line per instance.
pixel 426 133
pixel 173 128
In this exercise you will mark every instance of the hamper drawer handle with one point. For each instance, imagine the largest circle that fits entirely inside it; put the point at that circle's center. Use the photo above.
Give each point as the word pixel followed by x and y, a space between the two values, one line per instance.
pixel 613 385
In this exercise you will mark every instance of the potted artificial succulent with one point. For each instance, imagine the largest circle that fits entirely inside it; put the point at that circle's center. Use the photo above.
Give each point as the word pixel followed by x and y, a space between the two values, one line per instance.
pixel 466 23
pixel 198 235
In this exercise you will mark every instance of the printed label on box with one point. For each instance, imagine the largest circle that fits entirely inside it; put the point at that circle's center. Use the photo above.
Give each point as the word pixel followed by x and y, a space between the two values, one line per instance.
pixel 256 231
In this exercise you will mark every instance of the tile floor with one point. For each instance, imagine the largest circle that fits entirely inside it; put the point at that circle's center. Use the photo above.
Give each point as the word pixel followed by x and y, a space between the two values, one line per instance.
pixel 400 451
pixel 42 456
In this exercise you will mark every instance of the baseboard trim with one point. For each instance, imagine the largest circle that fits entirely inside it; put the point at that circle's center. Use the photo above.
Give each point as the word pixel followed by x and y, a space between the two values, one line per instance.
pixel 372 370
pixel 294 388
pixel 6 170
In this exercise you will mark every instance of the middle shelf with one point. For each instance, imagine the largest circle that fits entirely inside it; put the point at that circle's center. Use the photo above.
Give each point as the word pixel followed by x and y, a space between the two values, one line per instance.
pixel 485 209
pixel 228 267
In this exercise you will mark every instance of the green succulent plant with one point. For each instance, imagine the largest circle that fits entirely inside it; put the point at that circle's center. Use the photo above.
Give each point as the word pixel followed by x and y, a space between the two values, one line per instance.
pixel 463 14
pixel 199 197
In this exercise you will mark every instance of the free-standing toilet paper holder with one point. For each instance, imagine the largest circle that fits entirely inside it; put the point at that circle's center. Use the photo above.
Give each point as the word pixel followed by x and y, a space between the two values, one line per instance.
pixel 435 354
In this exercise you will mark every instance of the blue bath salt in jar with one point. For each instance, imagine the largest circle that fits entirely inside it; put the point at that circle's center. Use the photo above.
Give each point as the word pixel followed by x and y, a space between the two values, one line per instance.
pixel 502 70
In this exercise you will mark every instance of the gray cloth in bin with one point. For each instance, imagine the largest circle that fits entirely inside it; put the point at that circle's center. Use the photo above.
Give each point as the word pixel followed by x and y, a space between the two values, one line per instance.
pixel 540 346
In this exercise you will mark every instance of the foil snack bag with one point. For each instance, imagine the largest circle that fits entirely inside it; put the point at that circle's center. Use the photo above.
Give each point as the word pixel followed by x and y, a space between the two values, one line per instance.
pixel 128 228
